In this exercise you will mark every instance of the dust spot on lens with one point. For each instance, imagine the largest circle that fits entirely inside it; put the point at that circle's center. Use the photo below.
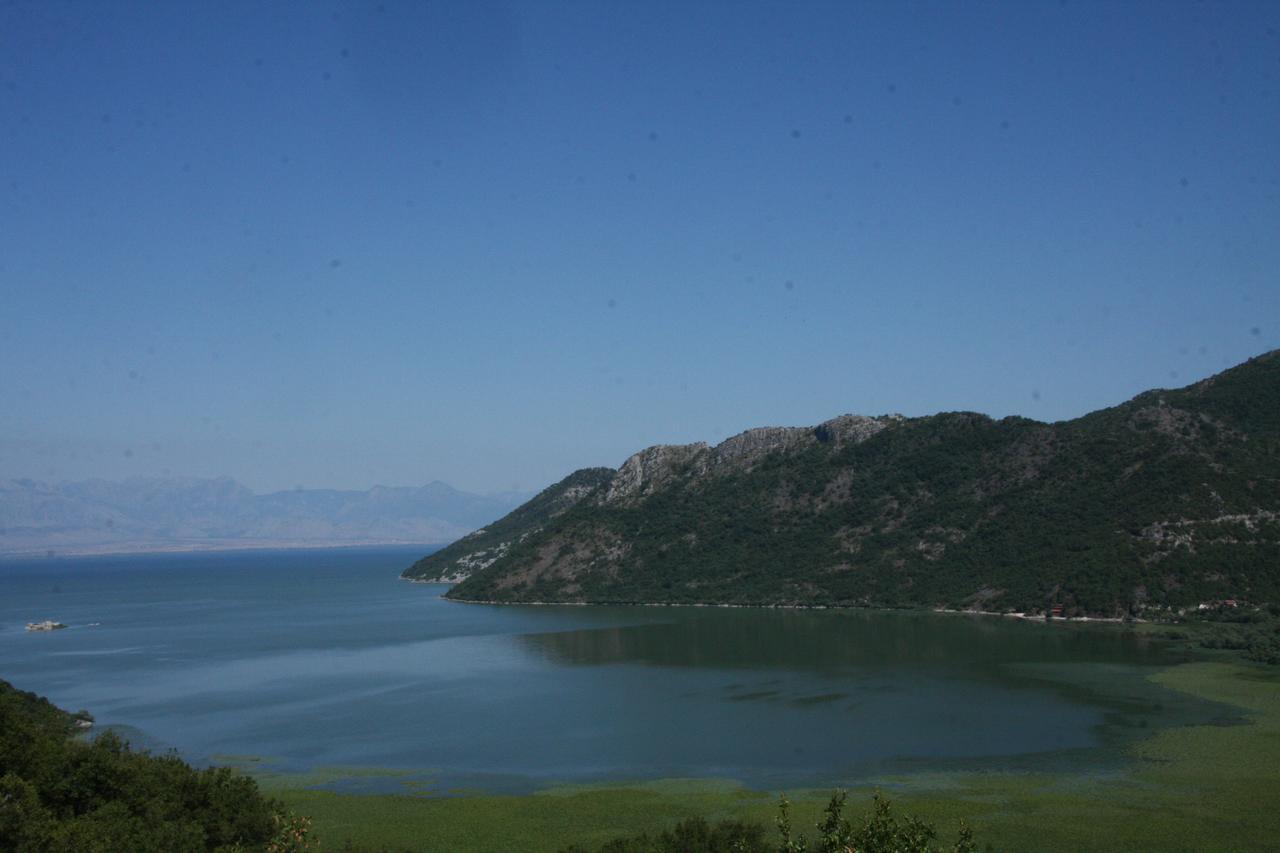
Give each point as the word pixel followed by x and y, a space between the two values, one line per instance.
pixel 1255 331
pixel 1184 182
pixel 795 134
pixel 335 263
pixel 1035 395
pixel 790 285
pixel 653 136
pixel 613 303
pixel 128 453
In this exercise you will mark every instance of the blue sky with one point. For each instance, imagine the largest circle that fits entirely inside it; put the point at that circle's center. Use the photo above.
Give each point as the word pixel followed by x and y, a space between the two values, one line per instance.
pixel 339 244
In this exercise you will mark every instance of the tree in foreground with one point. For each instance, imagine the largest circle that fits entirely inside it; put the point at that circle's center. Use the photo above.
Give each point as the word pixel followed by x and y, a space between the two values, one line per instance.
pixel 880 831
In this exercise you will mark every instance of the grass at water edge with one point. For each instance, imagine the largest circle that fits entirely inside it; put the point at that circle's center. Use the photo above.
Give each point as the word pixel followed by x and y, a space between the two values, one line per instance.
pixel 1185 788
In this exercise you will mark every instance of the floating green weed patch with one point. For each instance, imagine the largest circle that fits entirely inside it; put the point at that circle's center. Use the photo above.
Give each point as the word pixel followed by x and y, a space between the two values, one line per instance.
pixel 1196 787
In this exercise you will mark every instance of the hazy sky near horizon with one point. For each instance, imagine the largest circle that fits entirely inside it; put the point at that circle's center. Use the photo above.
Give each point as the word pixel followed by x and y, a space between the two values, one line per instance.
pixel 338 244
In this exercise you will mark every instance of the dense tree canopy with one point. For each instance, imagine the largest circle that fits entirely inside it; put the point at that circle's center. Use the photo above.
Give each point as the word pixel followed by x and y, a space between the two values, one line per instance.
pixel 1166 501
pixel 61 793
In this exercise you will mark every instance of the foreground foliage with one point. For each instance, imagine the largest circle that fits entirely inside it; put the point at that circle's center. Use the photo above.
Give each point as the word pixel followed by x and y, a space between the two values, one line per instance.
pixel 693 835
pixel 880 831
pixel 58 793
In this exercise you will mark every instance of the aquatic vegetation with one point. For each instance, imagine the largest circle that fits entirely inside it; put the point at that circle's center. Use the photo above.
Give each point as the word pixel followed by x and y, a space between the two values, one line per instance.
pixel 1192 788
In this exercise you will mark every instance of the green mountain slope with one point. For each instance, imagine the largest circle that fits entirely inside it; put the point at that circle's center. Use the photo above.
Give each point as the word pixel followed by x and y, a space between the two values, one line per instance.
pixel 1169 499
pixel 482 547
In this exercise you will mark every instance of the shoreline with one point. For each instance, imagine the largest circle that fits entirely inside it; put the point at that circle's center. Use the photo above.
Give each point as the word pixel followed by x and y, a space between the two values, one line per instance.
pixel 1031 617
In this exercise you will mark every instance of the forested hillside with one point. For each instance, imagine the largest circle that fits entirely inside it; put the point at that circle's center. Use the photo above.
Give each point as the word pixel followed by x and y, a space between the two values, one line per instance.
pixel 1170 499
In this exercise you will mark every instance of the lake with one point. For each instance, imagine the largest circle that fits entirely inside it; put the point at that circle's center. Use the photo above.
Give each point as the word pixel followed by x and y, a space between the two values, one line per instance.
pixel 300 660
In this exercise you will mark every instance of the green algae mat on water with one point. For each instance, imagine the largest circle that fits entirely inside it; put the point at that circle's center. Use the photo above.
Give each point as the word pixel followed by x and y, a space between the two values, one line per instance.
pixel 1197 787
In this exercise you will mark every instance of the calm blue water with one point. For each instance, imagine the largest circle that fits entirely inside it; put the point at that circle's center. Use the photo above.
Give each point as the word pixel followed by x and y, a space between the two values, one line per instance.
pixel 311 659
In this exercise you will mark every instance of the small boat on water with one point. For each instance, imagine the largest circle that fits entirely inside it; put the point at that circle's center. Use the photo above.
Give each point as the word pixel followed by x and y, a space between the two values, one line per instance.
pixel 46 625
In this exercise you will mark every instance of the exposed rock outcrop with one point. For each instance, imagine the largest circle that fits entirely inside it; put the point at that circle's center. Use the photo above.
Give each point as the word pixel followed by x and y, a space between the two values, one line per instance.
pixel 651 469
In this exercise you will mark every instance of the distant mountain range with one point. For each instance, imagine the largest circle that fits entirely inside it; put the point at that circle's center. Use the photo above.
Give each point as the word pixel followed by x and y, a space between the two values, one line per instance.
pixel 1170 499
pixel 147 514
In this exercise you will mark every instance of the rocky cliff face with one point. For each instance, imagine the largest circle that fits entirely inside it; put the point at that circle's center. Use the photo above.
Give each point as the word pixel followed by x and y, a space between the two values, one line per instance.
pixel 652 469
pixel 655 468
pixel 746 447
pixel 1170 499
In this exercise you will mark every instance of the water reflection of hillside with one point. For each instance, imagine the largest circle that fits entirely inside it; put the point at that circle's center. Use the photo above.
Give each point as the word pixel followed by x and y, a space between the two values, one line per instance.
pixel 822 640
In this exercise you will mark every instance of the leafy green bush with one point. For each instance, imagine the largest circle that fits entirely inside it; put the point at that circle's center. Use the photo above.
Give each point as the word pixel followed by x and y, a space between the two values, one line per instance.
pixel 692 836
pixel 58 793
pixel 880 831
